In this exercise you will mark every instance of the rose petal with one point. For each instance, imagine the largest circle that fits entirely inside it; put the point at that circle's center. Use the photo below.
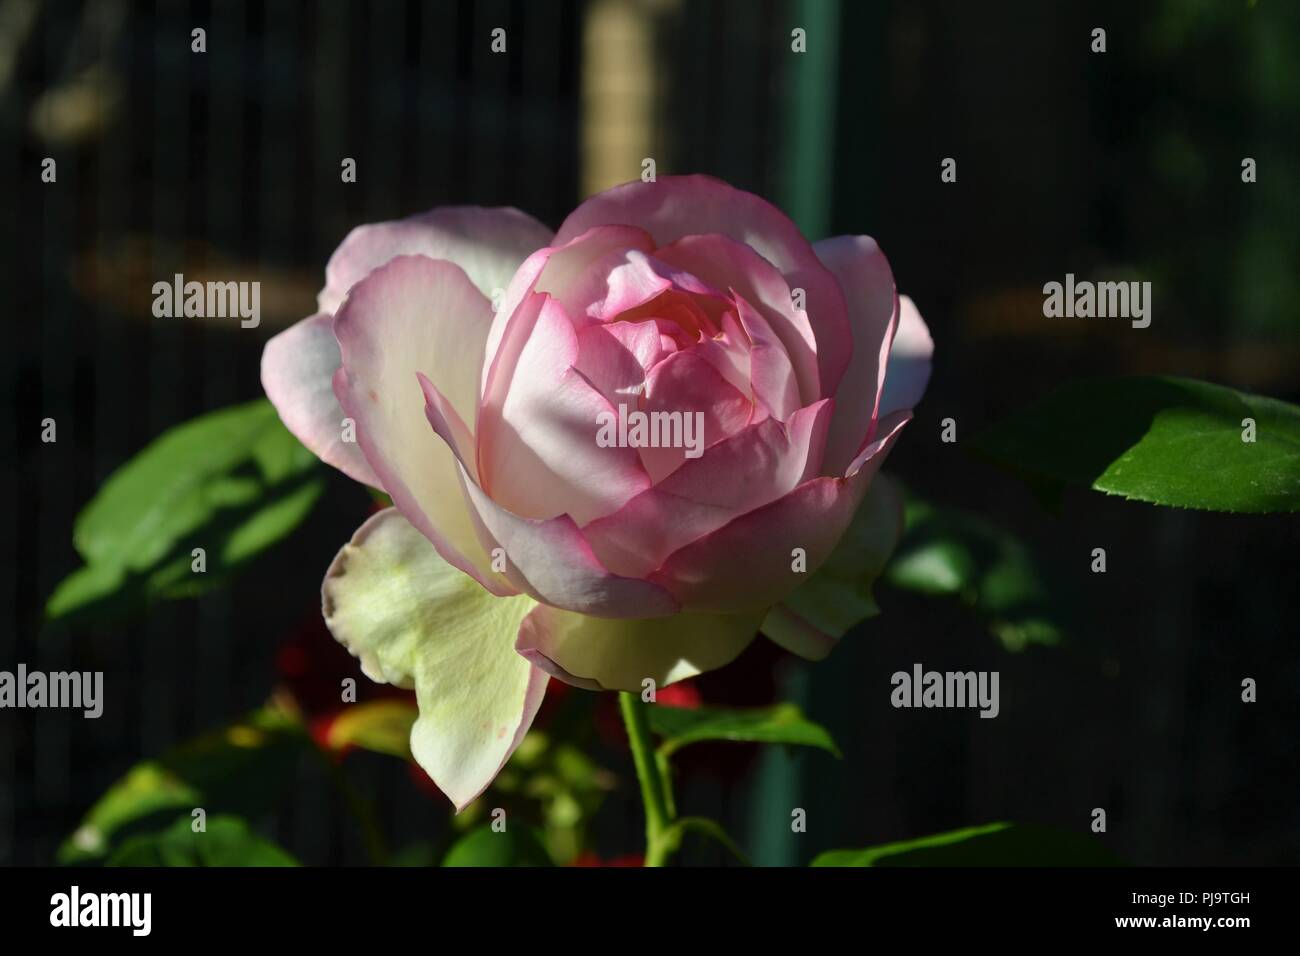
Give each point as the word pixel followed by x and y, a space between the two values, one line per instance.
pixel 416 315
pixel 730 355
pixel 838 596
pixel 449 425
pixel 709 575
pixel 570 272
pixel 538 455
pixel 788 630
pixel 868 284
pixel 724 262
pixel 704 494
pixel 599 654
pixel 772 377
pixel 614 357
pixel 415 621
pixel 298 368
pixel 487 243
pixel 678 206
pixel 559 567
pixel 909 360
pixel 686 385
pixel 625 283
pixel 548 559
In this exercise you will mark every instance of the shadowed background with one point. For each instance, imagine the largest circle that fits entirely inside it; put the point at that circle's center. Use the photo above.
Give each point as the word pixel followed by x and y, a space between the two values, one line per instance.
pixel 226 165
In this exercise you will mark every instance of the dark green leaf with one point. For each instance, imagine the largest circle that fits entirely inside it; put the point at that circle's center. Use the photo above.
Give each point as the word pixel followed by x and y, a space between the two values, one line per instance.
pixel 225 841
pixel 997 844
pixel 517 845
pixel 957 554
pixel 710 829
pixel 1168 441
pixel 779 724
pixel 232 482
pixel 417 854
pixel 243 769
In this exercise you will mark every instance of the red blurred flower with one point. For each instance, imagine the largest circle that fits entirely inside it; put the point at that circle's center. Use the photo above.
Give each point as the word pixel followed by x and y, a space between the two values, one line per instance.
pixel 589 858
pixel 312 667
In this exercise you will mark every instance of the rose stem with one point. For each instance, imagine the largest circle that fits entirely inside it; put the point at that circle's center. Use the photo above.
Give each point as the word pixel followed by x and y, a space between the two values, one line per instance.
pixel 648 772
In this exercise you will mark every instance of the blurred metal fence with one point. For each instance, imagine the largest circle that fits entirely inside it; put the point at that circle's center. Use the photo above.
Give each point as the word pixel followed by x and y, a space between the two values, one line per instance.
pixel 224 162
pixel 227 163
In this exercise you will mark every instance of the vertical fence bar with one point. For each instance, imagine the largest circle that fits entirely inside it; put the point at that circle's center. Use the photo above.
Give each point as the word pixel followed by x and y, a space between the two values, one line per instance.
pixel 59 347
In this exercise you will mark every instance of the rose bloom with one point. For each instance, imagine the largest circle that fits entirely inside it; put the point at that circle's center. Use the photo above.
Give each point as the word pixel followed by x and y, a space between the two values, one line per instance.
pixel 464 360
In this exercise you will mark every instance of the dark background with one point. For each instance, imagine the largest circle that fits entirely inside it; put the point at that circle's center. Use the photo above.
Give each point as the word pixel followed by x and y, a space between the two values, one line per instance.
pixel 1124 163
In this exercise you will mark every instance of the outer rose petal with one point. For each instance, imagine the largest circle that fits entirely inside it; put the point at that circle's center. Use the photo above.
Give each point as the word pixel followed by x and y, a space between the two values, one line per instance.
pixel 868 285
pixel 909 360
pixel 600 654
pixel 487 243
pixel 413 620
pixel 409 316
pixel 708 575
pixel 677 206
pixel 298 366
pixel 822 610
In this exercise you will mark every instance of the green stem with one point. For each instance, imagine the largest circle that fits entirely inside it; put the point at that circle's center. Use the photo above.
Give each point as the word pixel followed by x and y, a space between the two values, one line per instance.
pixel 666 775
pixel 654 786
pixel 707 828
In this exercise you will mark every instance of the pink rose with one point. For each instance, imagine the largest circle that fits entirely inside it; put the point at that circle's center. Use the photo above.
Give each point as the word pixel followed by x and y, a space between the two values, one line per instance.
pixel 519 442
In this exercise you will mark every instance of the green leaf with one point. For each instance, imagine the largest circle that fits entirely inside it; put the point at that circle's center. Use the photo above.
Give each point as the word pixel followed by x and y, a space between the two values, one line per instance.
pixel 780 724
pixel 243 769
pixel 1168 441
pixel 226 841
pixel 957 554
pixel 517 845
pixel 704 827
pixel 382 726
pixel 232 482
pixel 996 844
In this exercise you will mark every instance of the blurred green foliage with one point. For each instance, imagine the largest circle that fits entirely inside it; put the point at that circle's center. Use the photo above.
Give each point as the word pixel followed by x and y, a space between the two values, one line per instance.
pixel 224 841
pixel 996 844
pixel 242 770
pixel 232 482
pixel 1226 250
pixel 952 553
